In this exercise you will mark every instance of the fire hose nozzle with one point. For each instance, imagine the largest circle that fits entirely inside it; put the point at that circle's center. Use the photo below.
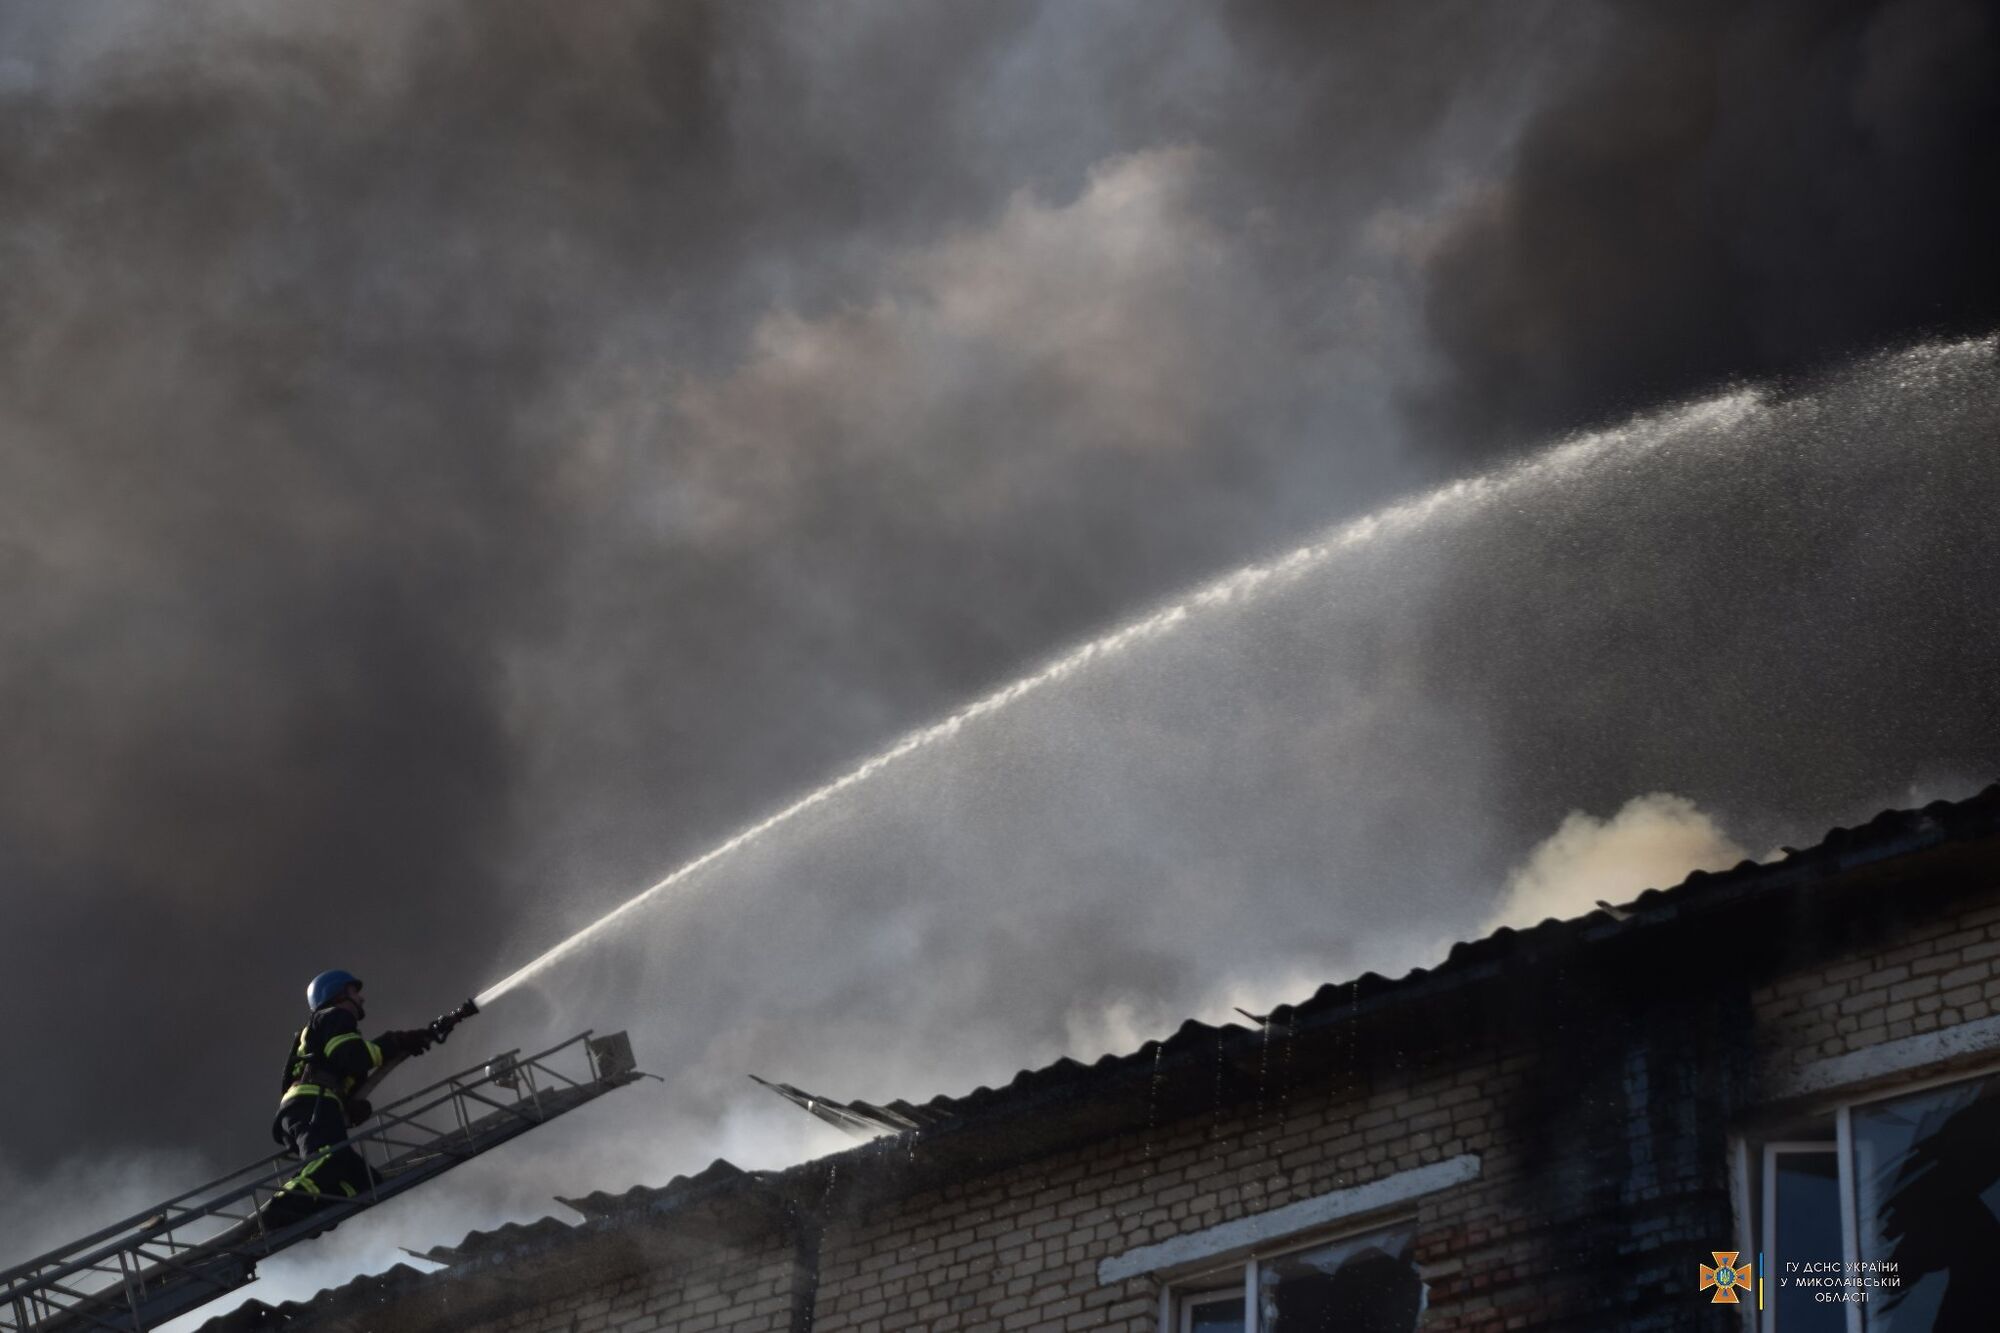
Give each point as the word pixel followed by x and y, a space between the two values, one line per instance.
pixel 441 1026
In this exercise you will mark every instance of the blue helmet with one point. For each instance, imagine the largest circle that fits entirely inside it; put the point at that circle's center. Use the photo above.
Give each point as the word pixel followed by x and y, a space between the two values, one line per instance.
pixel 325 988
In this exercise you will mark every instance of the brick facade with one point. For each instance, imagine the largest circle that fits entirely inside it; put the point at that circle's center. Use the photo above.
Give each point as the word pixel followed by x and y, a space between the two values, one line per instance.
pixel 736 1289
pixel 1925 976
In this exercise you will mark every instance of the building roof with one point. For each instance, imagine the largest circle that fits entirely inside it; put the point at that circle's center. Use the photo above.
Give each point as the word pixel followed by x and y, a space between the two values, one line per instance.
pixel 1812 892
pixel 1889 835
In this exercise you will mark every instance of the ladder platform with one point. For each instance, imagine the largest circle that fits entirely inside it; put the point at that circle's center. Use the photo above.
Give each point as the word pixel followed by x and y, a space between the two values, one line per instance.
pixel 206 1243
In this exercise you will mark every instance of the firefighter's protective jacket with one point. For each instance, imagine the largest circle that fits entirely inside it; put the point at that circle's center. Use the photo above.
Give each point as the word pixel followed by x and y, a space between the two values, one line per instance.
pixel 329 1059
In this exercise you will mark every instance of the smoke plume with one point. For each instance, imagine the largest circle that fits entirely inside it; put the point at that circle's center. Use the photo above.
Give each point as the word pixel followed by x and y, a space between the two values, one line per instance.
pixel 1722 192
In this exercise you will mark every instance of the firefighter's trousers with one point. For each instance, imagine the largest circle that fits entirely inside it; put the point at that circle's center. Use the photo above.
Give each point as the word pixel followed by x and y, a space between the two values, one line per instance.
pixel 312 1125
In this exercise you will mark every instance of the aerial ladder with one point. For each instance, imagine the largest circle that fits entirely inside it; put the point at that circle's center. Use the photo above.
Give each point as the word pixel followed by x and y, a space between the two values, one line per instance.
pixel 207 1242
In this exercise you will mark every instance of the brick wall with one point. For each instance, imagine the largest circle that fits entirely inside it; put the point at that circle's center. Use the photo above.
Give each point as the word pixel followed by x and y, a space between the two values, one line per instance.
pixel 1535 1240
pixel 1020 1249
pixel 1914 978
pixel 748 1289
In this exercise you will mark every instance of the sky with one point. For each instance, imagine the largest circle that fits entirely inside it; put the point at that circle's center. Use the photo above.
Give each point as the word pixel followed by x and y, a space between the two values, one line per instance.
pixel 460 461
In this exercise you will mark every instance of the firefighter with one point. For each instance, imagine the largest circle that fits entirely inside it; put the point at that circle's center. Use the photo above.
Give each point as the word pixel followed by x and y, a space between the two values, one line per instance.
pixel 328 1060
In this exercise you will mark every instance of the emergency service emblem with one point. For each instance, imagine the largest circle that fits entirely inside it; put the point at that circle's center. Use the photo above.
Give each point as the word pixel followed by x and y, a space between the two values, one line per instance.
pixel 1726 1277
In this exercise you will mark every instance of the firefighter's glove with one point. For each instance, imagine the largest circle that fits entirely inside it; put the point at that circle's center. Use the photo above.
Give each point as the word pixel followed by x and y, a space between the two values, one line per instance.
pixel 358 1110
pixel 413 1042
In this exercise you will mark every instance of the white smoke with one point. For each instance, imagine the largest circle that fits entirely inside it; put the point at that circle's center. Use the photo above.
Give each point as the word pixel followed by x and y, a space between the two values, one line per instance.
pixel 1652 842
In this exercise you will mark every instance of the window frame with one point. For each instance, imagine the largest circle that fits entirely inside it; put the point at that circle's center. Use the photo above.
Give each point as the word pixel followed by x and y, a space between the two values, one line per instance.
pixel 1178 1297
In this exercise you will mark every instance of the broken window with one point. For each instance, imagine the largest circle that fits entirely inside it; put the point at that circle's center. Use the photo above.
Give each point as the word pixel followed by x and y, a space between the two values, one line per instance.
pixel 1884 1216
pixel 1356 1284
pixel 1927 1200
pixel 1364 1285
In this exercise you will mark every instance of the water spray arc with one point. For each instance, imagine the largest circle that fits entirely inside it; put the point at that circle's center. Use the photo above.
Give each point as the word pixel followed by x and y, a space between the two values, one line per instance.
pixel 1457 499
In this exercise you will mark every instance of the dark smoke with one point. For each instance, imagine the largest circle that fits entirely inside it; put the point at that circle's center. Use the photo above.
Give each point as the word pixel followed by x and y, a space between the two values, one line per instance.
pixel 1724 192
pixel 374 596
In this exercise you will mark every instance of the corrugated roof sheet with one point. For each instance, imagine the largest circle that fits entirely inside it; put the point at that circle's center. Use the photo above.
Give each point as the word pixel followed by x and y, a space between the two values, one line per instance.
pixel 374 1288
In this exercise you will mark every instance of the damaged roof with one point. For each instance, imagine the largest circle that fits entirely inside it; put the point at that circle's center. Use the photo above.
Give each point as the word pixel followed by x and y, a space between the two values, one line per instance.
pixel 1069 1102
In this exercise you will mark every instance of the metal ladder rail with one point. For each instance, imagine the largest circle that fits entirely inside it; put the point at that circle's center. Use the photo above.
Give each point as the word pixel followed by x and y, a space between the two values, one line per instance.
pixel 146 1251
